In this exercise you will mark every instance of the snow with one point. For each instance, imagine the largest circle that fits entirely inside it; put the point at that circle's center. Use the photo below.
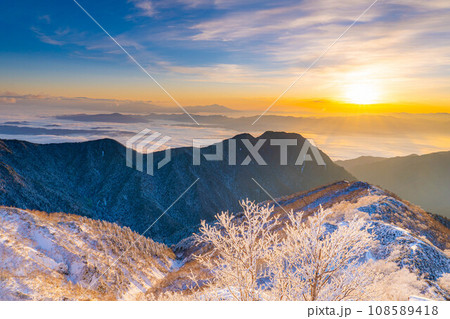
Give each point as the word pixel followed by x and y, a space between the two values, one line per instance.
pixel 417 298
pixel 59 256
pixel 40 250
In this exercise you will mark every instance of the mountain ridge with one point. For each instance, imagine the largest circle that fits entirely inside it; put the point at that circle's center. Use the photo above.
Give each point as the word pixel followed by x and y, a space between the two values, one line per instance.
pixel 62 256
pixel 418 241
pixel 422 179
pixel 65 254
pixel 91 179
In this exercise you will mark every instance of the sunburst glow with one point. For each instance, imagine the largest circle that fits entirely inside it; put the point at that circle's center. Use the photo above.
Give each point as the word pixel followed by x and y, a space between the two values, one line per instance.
pixel 361 93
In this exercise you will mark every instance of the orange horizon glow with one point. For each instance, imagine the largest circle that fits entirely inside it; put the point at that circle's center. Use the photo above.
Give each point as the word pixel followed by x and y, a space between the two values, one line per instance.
pixel 351 101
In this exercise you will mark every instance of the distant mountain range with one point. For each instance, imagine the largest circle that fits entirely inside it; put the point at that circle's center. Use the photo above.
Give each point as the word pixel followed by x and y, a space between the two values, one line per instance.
pixel 142 118
pixel 91 179
pixel 424 180
pixel 213 108
pixel 362 160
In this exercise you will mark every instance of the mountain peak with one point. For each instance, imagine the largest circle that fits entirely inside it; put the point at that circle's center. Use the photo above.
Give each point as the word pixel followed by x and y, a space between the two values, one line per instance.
pixel 270 135
pixel 280 135
pixel 213 108
pixel 243 136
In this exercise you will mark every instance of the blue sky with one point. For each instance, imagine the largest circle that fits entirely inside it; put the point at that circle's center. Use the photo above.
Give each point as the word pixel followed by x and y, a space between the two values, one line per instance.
pixel 238 53
pixel 158 32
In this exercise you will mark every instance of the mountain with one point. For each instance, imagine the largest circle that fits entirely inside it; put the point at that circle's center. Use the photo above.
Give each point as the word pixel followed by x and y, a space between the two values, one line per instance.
pixel 108 118
pixel 362 160
pixel 91 179
pixel 423 180
pixel 60 256
pixel 68 257
pixel 418 240
pixel 139 118
pixel 213 108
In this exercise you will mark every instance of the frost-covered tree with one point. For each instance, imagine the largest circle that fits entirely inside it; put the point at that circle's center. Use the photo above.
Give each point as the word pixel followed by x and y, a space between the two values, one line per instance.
pixel 320 261
pixel 252 258
pixel 444 283
pixel 239 246
pixel 397 283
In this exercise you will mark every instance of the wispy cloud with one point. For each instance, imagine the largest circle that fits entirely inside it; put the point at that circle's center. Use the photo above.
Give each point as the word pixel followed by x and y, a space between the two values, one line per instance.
pixel 54 103
pixel 85 44
pixel 224 73
pixel 272 23
pixel 144 8
pixel 390 44
pixel 8 100
pixel 46 38
pixel 45 18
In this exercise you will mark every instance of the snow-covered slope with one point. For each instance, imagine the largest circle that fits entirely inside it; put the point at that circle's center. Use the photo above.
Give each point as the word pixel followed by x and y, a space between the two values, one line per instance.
pixel 409 237
pixel 62 256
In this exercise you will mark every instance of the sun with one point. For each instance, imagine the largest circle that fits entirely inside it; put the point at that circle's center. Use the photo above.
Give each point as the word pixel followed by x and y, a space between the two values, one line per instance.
pixel 361 93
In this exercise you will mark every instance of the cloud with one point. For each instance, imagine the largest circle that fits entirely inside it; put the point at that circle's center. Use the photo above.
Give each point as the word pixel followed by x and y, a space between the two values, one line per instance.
pixel 108 118
pixel 8 100
pixel 339 136
pixel 278 21
pixel 96 44
pixel 45 18
pixel 402 45
pixel 54 104
pixel 264 45
pixel 22 130
pixel 220 4
pixel 43 102
pixel 46 38
pixel 146 8
pixel 221 73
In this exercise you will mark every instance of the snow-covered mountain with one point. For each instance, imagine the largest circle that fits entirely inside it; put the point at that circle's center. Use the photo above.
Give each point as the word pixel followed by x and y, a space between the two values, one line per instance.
pixel 415 241
pixel 61 256
pixel 422 179
pixel 68 257
pixel 91 179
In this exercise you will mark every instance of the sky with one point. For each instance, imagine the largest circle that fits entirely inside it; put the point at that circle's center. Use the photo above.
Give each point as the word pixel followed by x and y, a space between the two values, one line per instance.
pixel 241 54
pixel 359 77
